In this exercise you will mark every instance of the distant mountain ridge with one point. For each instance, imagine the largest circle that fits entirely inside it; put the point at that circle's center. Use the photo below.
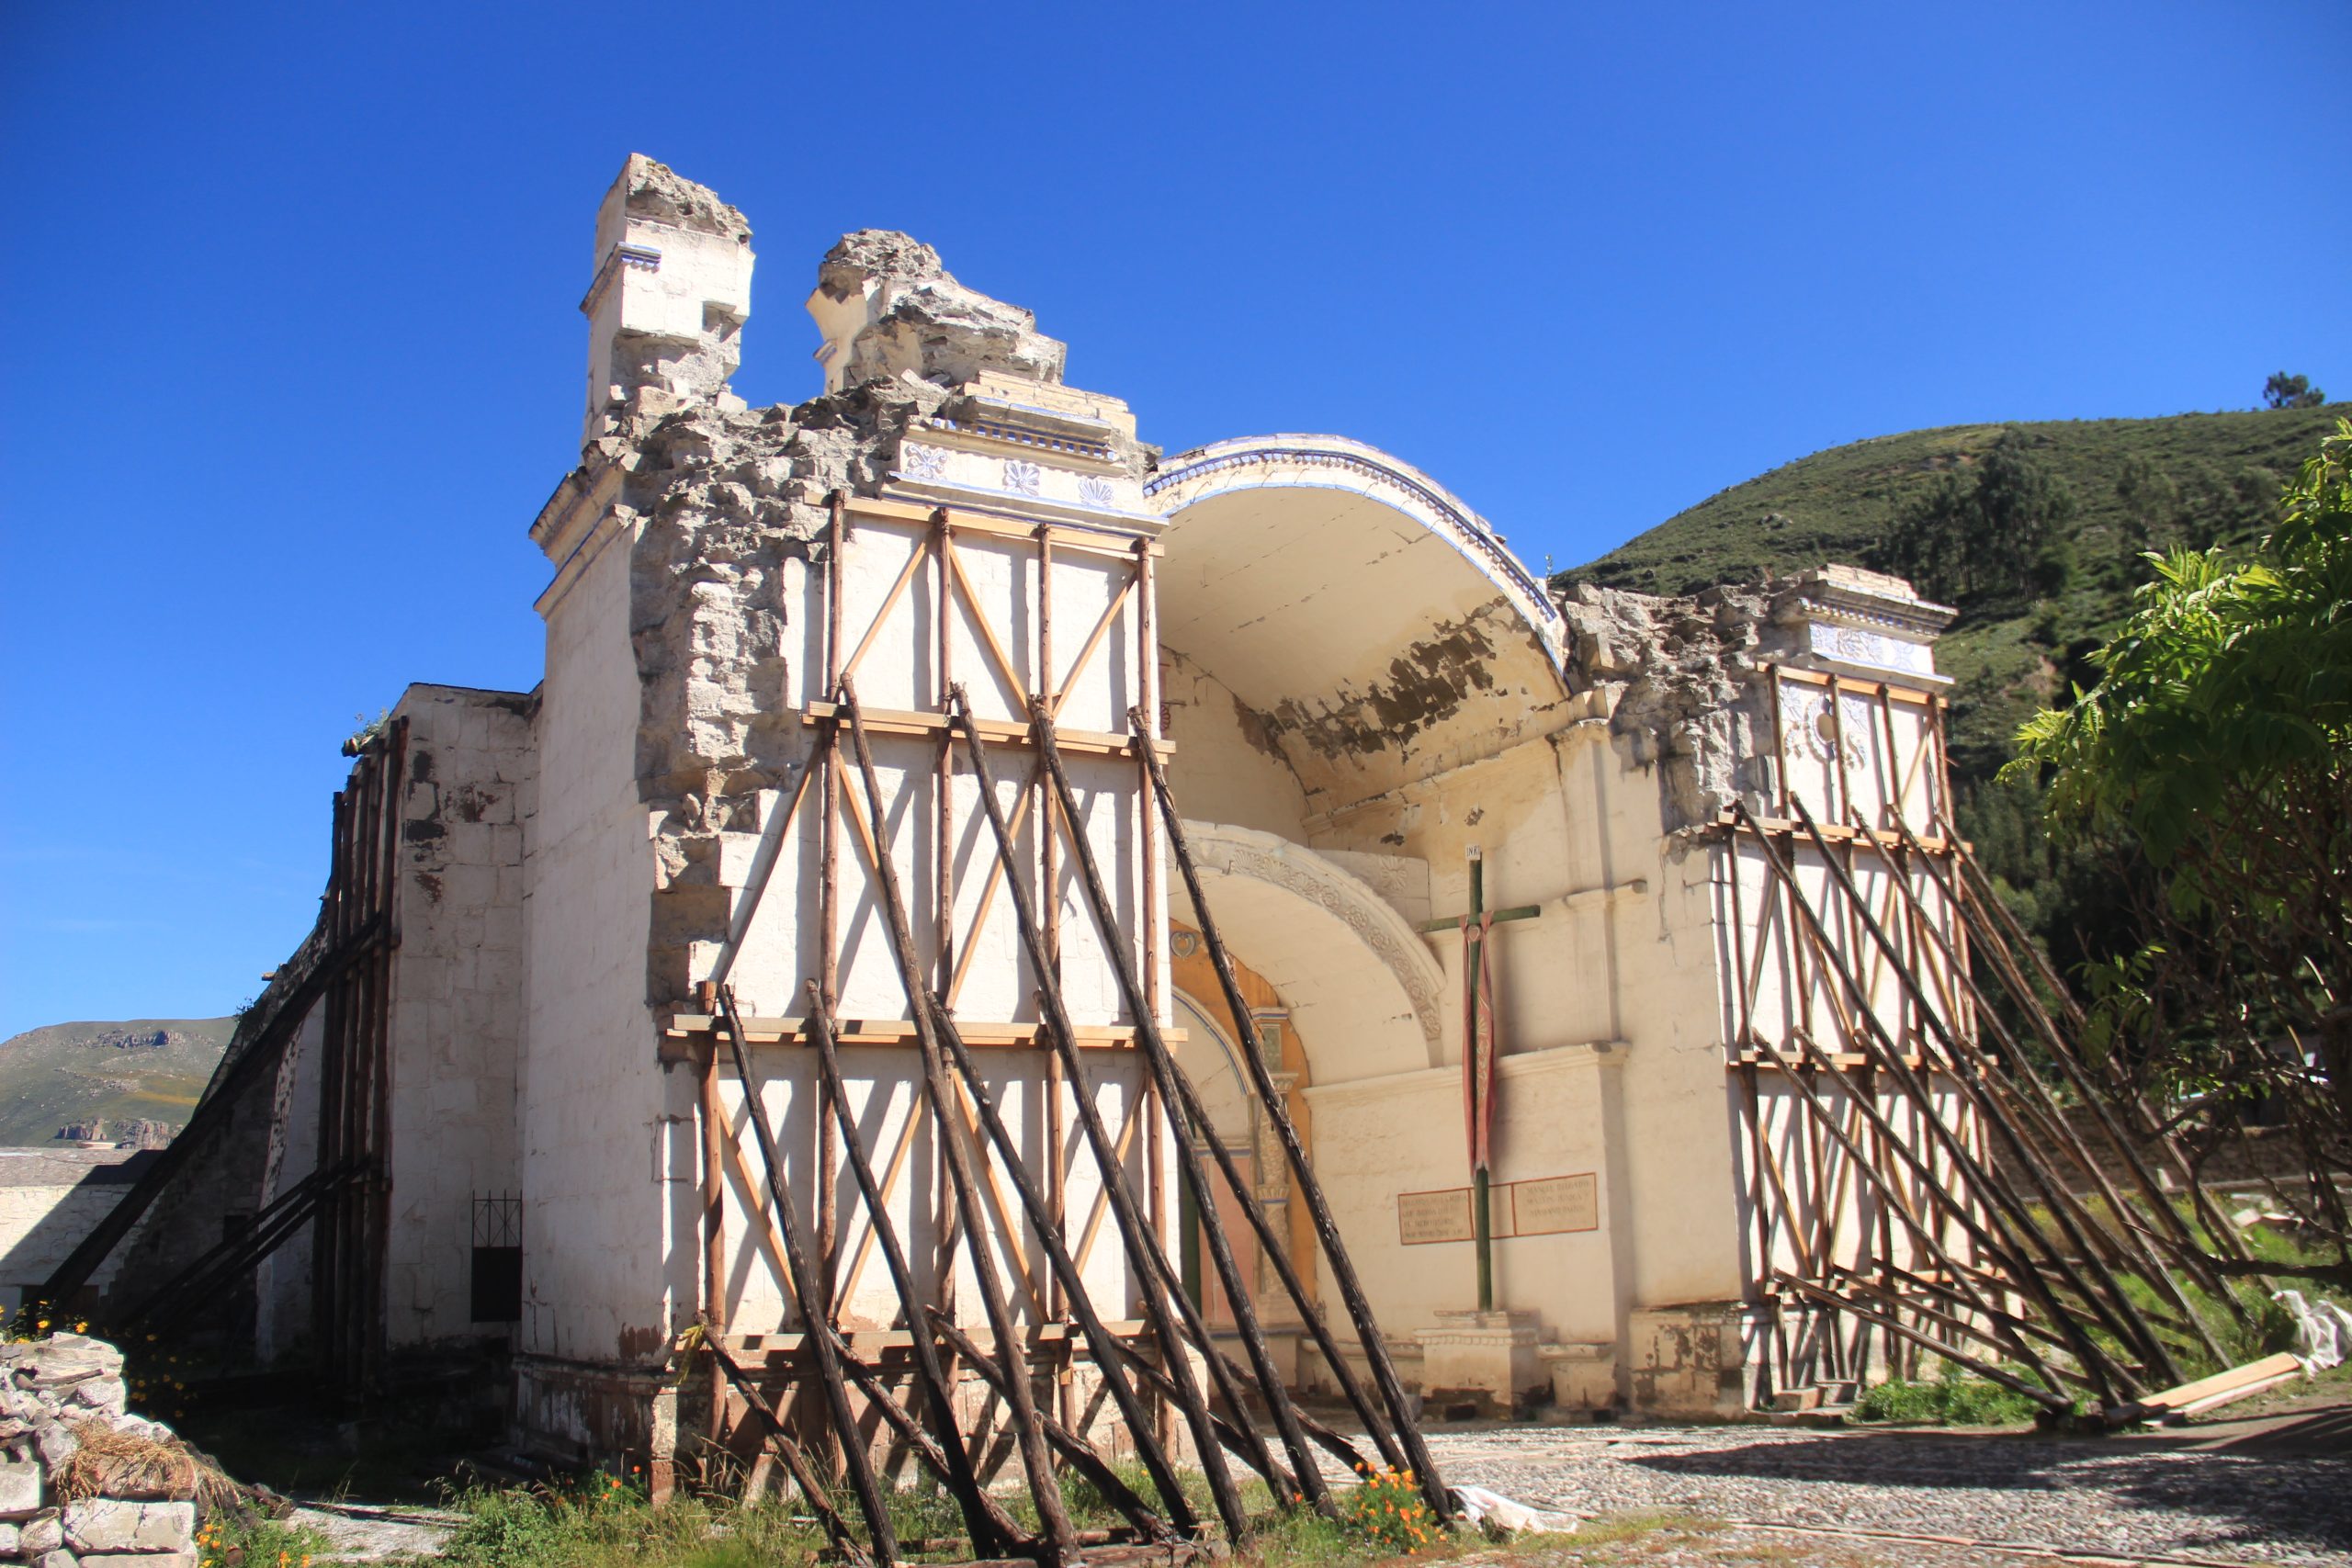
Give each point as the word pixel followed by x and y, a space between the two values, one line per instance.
pixel 136 1078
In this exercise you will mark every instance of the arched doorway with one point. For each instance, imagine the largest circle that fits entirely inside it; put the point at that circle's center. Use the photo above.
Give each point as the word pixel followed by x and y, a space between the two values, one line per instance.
pixel 1210 1056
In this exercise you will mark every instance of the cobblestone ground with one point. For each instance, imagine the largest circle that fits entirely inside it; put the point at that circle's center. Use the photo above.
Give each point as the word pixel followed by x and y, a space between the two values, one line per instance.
pixel 2274 1491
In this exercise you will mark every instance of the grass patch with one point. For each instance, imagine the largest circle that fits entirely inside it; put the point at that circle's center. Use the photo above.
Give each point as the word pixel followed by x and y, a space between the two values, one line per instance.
pixel 601 1521
pixel 1954 1399
pixel 259 1543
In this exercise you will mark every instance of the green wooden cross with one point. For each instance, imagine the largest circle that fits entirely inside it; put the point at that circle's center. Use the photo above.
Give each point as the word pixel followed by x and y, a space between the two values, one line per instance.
pixel 1479 1054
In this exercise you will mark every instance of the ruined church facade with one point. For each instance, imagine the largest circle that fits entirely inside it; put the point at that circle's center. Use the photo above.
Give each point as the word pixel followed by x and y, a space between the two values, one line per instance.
pixel 1616 849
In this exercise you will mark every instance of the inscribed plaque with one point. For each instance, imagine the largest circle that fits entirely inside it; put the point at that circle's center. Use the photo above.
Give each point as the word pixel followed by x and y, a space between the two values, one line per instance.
pixel 1554 1204
pixel 1426 1217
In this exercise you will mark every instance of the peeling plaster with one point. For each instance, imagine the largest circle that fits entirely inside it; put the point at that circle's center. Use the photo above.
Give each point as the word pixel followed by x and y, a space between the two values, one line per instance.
pixel 1427 684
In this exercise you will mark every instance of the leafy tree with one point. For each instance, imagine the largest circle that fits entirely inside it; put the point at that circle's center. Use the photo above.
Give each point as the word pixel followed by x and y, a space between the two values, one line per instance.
pixel 2214 760
pixel 2285 391
pixel 1998 531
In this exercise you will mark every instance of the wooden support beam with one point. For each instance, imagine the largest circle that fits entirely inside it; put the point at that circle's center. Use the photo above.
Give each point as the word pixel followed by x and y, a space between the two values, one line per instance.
pixel 805 1294
pixel 935 1029
pixel 1398 1438
pixel 1017 1035
pixel 1162 1296
pixel 995 731
pixel 1069 535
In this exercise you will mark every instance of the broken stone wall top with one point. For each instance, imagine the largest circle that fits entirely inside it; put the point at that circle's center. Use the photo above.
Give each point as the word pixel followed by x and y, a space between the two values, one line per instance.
pixel 1688 670
pixel 671 293
pixel 889 308
pixel 652 192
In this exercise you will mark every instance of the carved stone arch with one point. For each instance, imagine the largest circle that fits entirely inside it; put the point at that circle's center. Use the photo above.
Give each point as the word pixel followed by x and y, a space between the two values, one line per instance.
pixel 1364 986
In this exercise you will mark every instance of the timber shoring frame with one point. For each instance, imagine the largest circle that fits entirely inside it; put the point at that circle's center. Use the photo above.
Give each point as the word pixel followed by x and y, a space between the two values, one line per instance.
pixel 1161 1368
pixel 2023 1256
pixel 345 964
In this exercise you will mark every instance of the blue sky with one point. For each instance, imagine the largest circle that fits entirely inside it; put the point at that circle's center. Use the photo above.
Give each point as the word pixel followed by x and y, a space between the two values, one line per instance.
pixel 293 355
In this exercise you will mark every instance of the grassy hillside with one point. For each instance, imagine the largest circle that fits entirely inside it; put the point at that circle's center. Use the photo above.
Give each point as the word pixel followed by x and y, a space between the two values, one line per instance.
pixel 147 1069
pixel 2136 484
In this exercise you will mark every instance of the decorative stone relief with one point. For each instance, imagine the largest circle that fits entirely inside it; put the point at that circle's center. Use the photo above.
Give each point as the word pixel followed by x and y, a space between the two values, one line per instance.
pixel 1810 726
pixel 1854 645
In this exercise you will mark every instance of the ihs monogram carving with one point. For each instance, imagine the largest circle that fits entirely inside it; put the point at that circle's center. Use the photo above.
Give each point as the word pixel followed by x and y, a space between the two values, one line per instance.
pixel 1810 725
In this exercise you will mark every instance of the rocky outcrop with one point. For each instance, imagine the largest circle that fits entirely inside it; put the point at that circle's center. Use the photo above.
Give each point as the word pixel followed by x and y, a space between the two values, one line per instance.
pixel 139 1039
pixel 131 1132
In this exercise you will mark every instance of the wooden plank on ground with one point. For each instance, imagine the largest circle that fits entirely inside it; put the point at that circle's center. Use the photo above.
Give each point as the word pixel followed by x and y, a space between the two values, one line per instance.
pixel 2209 1393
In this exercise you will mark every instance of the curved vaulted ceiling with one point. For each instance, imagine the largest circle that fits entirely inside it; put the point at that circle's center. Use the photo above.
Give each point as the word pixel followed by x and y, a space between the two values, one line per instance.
pixel 1376 626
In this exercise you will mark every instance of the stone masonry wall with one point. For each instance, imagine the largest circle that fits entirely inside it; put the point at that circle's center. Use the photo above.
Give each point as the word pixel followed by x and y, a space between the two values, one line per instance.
pixel 82 1480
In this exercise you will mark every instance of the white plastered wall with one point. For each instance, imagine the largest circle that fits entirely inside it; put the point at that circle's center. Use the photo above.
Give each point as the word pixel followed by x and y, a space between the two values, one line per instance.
pixel 603 1226
pixel 470 793
pixel 1611 1066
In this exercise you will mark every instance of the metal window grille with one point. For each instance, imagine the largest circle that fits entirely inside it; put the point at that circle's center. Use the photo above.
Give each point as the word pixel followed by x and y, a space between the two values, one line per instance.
pixel 498 1259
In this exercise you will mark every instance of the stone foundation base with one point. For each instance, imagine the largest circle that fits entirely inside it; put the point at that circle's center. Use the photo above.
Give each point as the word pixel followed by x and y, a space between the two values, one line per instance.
pixel 1584 1380
pixel 1488 1360
pixel 1687 1360
pixel 579 1414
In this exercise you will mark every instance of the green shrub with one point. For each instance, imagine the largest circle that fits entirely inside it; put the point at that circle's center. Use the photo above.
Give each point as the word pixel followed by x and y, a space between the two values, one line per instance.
pixel 1954 1399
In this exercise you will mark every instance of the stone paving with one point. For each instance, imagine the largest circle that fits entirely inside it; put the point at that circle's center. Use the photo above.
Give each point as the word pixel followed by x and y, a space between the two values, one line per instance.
pixel 2273 1491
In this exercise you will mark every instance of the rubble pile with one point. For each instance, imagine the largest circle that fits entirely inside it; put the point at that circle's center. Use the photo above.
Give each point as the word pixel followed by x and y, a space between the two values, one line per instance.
pixel 83 1481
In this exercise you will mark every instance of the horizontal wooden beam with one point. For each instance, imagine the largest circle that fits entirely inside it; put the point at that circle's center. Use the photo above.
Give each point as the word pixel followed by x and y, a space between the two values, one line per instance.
pixel 1838 833
pixel 1859 688
pixel 1065 536
pixel 901 1032
pixel 993 731
pixel 1788 1061
pixel 866 1344
pixel 1791 1061
pixel 2205 1394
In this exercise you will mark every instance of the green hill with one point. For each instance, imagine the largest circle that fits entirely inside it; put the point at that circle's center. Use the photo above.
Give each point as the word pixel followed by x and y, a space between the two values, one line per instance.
pixel 2134 485
pixel 2137 483
pixel 149 1069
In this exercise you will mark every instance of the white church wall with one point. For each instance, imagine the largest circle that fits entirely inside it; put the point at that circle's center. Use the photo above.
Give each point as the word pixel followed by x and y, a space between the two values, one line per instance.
pixel 1379 1140
pixel 457 1012
pixel 1617 969
pixel 595 1138
pixel 1233 770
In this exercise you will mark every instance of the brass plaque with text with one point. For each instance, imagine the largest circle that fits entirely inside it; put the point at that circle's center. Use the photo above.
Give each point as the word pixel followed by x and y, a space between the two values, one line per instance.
pixel 1426 1217
pixel 1556 1204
